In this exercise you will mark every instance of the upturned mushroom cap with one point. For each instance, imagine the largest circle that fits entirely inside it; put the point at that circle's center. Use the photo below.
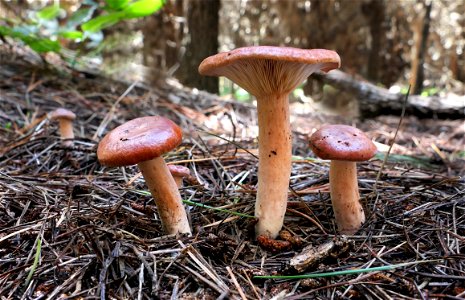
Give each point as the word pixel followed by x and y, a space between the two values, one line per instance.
pixel 342 142
pixel 62 113
pixel 266 70
pixel 179 171
pixel 138 140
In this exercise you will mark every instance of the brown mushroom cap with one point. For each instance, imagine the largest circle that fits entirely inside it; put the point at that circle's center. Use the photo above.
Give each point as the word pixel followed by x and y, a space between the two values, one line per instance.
pixel 62 113
pixel 138 140
pixel 179 171
pixel 264 70
pixel 342 142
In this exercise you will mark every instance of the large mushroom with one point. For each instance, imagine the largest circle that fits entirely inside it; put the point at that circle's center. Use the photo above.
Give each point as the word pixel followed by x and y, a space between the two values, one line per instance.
pixel 143 141
pixel 270 74
pixel 344 146
pixel 65 119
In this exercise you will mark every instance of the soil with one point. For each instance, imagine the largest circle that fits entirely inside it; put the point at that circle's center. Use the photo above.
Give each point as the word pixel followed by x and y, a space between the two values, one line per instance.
pixel 70 227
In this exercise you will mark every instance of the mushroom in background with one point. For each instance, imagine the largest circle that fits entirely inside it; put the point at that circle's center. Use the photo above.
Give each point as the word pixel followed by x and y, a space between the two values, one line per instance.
pixel 270 74
pixel 65 119
pixel 344 146
pixel 179 173
pixel 143 141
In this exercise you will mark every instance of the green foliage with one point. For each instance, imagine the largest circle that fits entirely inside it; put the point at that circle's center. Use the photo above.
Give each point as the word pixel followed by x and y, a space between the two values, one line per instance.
pixel 461 154
pixel 117 4
pixel 43 32
pixel 49 12
pixel 122 10
pixel 102 22
pixel 430 91
pixel 36 43
pixel 142 8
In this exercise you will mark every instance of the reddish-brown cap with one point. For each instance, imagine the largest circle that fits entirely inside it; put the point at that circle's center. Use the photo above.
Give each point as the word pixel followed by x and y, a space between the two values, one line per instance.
pixel 62 113
pixel 342 142
pixel 138 140
pixel 265 70
pixel 179 171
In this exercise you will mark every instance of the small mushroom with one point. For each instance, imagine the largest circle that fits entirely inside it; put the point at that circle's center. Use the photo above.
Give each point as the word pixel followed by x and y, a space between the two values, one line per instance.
pixel 344 146
pixel 65 120
pixel 143 141
pixel 270 74
pixel 179 173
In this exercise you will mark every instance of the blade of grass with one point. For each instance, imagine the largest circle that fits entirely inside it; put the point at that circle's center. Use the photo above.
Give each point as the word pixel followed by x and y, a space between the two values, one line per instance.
pixel 344 272
pixel 205 206
pixel 35 263
pixel 217 209
pixel 398 158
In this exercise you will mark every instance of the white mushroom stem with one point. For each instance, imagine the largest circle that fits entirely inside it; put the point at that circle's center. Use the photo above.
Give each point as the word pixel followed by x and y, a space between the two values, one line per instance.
pixel 274 164
pixel 166 194
pixel 345 197
pixel 66 131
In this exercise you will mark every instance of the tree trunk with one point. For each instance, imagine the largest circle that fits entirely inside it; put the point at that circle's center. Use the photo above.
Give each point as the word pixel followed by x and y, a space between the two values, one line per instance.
pixel 375 13
pixel 162 40
pixel 202 20
pixel 417 75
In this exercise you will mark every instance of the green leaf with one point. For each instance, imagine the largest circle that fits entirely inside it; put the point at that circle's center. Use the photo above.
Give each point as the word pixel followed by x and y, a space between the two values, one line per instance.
pixel 49 12
pixel 36 43
pixel 142 8
pixel 5 31
pixel 117 4
pixel 80 16
pixel 71 34
pixel 102 22
pixel 43 45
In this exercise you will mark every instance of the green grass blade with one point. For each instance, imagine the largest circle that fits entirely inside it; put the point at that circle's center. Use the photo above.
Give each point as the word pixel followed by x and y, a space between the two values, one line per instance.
pixel 35 263
pixel 205 206
pixel 217 209
pixel 344 272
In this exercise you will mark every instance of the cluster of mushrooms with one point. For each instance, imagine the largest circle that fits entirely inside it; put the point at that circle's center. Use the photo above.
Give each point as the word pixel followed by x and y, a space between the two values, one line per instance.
pixel 270 74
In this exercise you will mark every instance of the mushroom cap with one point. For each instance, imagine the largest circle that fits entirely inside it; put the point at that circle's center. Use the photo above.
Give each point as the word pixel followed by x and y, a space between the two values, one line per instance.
pixel 265 70
pixel 179 171
pixel 138 140
pixel 342 142
pixel 62 113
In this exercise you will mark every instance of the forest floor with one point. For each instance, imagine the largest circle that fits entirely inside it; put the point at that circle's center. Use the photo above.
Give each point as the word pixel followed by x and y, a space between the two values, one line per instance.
pixel 71 228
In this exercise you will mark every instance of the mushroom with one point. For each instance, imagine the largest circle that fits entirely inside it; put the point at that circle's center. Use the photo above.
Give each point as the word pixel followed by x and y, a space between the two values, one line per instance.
pixel 179 173
pixel 65 119
pixel 270 74
pixel 344 146
pixel 143 141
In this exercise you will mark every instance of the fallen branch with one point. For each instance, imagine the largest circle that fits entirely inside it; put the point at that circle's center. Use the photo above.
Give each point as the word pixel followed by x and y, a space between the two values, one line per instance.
pixel 375 100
